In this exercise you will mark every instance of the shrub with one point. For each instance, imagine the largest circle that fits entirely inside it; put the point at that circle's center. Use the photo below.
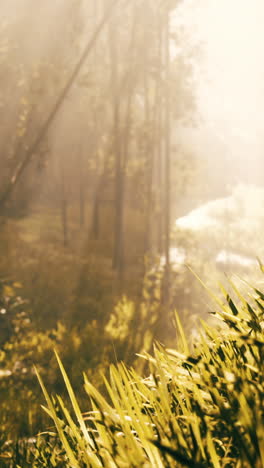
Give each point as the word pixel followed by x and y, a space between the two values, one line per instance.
pixel 200 408
pixel 21 345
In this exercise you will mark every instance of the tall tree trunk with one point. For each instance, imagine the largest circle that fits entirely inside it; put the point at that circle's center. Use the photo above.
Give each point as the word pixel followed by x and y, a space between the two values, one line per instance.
pixel 167 180
pixel 95 221
pixel 127 85
pixel 159 147
pixel 118 172
pixel 148 144
pixel 130 83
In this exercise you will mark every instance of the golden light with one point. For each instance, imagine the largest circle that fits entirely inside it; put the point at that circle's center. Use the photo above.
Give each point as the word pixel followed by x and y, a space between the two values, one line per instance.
pixel 230 87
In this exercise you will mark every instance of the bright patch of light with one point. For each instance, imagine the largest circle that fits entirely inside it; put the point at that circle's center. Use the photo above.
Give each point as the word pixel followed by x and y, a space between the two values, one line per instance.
pixel 209 215
pixel 5 373
pixel 226 257
pixel 177 257
pixel 243 209
pixel 230 93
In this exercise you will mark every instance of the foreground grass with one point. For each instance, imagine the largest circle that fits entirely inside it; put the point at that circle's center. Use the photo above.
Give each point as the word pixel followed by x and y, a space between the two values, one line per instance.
pixel 200 408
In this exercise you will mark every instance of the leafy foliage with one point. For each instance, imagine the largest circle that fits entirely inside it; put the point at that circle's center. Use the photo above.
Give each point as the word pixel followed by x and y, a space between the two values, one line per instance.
pixel 199 408
pixel 22 345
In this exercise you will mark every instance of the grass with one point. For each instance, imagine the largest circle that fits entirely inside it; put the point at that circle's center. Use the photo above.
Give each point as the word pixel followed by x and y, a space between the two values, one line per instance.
pixel 201 408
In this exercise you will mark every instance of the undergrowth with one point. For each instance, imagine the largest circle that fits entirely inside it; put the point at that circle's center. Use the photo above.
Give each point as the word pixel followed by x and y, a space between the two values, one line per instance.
pixel 201 407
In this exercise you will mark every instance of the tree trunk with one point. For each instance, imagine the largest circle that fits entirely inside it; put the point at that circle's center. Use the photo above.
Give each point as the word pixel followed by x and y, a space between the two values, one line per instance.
pixel 81 195
pixel 64 212
pixel 159 148
pixel 167 195
pixel 95 221
pixel 148 145
pixel 118 172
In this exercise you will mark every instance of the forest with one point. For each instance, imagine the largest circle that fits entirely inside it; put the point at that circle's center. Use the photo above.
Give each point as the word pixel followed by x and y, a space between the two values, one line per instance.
pixel 131 234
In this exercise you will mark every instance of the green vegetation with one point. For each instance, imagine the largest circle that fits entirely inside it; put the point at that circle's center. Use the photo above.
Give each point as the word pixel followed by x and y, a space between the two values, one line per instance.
pixel 115 185
pixel 198 407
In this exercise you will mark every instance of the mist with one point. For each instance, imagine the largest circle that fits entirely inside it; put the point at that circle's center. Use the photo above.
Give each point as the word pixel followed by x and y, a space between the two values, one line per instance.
pixel 131 164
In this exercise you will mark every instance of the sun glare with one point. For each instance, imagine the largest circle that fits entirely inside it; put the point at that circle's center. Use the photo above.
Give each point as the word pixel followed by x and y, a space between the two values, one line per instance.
pixel 230 90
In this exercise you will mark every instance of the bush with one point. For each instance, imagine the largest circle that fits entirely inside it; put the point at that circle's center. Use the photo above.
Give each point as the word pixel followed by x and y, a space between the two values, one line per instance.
pixel 21 346
pixel 200 408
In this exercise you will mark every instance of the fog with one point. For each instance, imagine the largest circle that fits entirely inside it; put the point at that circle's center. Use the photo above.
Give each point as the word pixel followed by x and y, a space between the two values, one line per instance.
pixel 229 83
pixel 131 156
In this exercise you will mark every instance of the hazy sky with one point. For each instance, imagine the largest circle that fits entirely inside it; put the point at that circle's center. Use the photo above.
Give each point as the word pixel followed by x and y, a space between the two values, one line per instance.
pixel 230 89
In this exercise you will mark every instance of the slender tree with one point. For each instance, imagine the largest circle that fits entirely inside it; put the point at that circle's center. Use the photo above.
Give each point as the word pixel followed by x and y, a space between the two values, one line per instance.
pixel 31 150
pixel 118 173
pixel 167 165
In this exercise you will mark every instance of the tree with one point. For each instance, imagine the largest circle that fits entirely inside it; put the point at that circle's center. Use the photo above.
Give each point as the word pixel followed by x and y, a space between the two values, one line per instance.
pixel 30 150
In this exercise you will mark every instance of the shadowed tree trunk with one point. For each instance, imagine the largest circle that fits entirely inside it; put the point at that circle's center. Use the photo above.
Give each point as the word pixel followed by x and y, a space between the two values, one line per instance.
pixel 82 200
pixel 124 92
pixel 148 142
pixel 118 172
pixel 64 210
pixel 159 146
pixel 95 221
pixel 128 85
pixel 167 175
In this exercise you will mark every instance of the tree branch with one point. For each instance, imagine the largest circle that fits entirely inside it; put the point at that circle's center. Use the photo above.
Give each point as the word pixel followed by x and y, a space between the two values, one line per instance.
pixel 30 152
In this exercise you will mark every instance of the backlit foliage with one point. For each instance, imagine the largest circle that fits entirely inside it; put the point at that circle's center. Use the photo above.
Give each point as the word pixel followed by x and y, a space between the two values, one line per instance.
pixel 196 408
